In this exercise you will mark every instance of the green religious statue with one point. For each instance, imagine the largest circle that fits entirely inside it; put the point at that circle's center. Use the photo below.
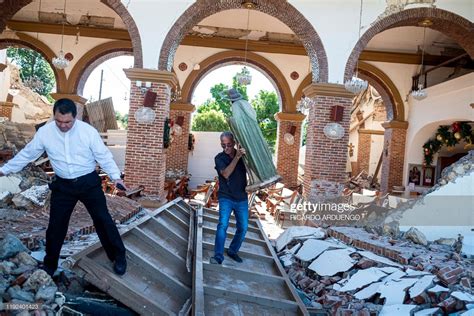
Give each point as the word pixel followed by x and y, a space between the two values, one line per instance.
pixel 258 157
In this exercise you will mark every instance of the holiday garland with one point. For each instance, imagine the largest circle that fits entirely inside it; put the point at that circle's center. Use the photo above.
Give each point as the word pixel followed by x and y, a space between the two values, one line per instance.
pixel 448 136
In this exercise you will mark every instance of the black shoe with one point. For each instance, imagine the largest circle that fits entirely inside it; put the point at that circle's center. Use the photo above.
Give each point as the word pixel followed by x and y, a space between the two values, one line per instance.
pixel 235 257
pixel 215 260
pixel 48 270
pixel 120 266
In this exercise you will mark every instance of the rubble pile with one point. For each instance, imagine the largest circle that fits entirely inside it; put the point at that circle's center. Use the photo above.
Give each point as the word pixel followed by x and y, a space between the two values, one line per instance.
pixel 362 181
pixel 349 271
pixel 15 136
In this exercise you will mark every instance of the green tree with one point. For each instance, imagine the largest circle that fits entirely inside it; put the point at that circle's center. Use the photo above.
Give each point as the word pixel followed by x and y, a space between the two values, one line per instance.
pixel 266 105
pixel 33 66
pixel 210 121
pixel 122 119
pixel 305 131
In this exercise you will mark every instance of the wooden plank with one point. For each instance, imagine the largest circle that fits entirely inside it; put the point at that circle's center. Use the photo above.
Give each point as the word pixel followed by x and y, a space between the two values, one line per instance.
pixel 112 284
pixel 198 281
pixel 261 300
pixel 190 252
pixel 241 274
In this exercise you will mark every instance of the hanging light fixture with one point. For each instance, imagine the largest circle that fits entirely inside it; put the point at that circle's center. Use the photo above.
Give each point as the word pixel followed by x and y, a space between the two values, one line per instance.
pixel 244 77
pixel 61 62
pixel 305 103
pixel 355 84
pixel 421 93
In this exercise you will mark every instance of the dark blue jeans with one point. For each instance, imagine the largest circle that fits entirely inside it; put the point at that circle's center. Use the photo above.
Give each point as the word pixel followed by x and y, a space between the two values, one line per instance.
pixel 241 213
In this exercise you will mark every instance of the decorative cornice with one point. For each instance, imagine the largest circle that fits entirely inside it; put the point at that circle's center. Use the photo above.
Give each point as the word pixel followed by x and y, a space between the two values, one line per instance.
pixel 160 76
pixel 395 124
pixel 370 131
pixel 74 97
pixel 289 117
pixel 186 107
pixel 327 89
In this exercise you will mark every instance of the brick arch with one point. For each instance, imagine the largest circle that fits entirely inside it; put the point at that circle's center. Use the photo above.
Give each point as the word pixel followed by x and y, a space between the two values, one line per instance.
pixel 226 57
pixel 386 88
pixel 448 23
pixel 93 58
pixel 280 9
pixel 299 92
pixel 9 7
pixel 27 41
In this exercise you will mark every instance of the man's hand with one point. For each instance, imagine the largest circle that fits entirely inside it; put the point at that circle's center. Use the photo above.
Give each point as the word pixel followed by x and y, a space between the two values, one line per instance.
pixel 240 152
pixel 120 185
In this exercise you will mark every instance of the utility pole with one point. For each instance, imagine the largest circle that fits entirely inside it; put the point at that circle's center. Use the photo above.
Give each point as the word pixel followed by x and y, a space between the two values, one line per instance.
pixel 101 79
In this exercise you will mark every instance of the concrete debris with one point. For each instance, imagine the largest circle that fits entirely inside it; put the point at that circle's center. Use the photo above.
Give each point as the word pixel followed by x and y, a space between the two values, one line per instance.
pixel 38 279
pixel 10 246
pixel 300 232
pixel 36 194
pixel 311 249
pixel 416 236
pixel 332 261
pixel 427 312
pixel 414 278
pixel 5 199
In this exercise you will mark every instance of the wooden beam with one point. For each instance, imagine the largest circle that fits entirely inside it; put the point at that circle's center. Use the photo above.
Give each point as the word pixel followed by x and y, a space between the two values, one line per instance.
pixel 401 58
pixel 85 31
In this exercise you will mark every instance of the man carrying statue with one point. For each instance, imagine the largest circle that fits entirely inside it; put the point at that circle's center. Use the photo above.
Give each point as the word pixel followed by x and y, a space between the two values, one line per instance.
pixel 232 164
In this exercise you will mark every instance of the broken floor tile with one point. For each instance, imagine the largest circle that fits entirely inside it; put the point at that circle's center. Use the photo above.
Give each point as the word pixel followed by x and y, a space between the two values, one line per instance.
pixel 332 261
pixel 468 313
pixel 394 276
pixel 311 249
pixel 369 291
pixel 421 285
pixel 428 312
pixel 394 291
pixel 302 232
pixel 295 248
pixel 463 296
pixel 362 278
pixel 411 273
pixel 374 257
pixel 438 288
pixel 397 309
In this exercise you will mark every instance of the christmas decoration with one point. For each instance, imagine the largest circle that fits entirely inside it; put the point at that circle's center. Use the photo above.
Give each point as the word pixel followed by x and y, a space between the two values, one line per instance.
pixel 448 136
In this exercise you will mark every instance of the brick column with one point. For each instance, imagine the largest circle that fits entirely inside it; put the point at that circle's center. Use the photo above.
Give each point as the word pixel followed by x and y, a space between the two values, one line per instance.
pixel 145 157
pixel 393 155
pixel 177 155
pixel 288 155
pixel 363 151
pixel 325 164
pixel 6 109
pixel 80 101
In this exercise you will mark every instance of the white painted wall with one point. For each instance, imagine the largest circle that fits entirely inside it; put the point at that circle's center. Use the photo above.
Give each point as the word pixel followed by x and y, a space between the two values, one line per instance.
pixel 446 102
pixel 4 76
pixel 201 160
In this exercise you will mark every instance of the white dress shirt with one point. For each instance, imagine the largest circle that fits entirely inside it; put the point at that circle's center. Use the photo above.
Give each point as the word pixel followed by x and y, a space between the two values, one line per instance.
pixel 72 154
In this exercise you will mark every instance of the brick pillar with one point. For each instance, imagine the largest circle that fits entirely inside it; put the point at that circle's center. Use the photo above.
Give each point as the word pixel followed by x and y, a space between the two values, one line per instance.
pixel 178 153
pixel 325 163
pixel 80 101
pixel 288 155
pixel 145 157
pixel 393 155
pixel 6 109
pixel 363 151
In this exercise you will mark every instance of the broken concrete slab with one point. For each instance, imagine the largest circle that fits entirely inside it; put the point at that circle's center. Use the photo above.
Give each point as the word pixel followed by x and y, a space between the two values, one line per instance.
pixel 368 291
pixel 374 257
pixel 421 285
pixel 394 291
pixel 363 278
pixel 300 232
pixel 311 249
pixel 10 183
pixel 416 236
pixel 438 289
pixel 46 293
pixel 38 279
pixel 5 199
pixel 36 194
pixel 394 276
pixel 331 262
pixel 463 296
pixel 416 273
pixel 397 309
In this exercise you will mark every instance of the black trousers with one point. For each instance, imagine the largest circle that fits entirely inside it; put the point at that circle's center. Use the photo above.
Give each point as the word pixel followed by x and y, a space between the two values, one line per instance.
pixel 64 196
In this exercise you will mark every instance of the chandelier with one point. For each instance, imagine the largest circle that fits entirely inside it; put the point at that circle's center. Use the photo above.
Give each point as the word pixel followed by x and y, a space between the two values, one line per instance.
pixel 61 62
pixel 421 93
pixel 244 78
pixel 357 85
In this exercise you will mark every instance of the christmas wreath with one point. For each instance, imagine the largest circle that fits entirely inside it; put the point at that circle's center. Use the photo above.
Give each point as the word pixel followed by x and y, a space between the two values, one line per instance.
pixel 448 136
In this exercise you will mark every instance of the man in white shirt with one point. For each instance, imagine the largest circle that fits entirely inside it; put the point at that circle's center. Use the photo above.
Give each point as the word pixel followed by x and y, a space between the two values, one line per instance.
pixel 73 148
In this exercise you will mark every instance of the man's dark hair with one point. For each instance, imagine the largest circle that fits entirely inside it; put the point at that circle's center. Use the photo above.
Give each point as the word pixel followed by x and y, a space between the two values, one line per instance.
pixel 228 135
pixel 65 106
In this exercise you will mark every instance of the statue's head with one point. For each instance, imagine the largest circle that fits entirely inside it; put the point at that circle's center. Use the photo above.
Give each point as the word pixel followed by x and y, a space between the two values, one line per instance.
pixel 233 95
